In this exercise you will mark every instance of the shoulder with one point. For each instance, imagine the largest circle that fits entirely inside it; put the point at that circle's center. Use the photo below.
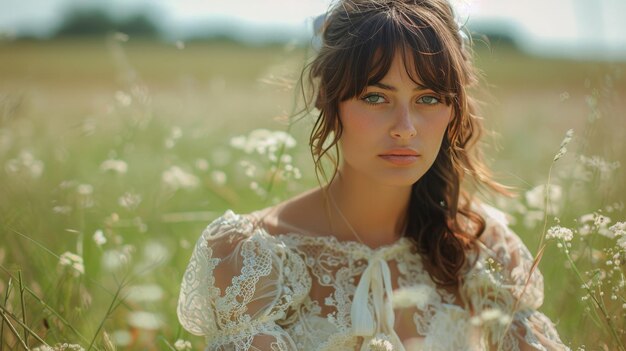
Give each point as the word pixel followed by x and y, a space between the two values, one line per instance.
pixel 230 226
pixel 303 214
pixel 232 236
pixel 234 282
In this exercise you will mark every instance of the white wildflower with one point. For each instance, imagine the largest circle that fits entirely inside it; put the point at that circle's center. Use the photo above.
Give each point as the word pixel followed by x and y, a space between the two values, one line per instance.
pixel 618 229
pixel 617 206
pixel 254 186
pixel 181 345
pixel 99 238
pixel 155 252
pixel 129 201
pixel 62 209
pixel 68 184
pixel 418 295
pixel 25 164
pixel 219 177
pixel 561 233
pixel 116 258
pixel 263 142
pixel 601 220
pixel 112 219
pixel 490 316
pixel 175 134
pixel 597 163
pixel 42 348
pixel 221 156
pixel 586 224
pixel 576 171
pixel 119 36
pixel 144 320
pixel 536 197
pixel 84 189
pixel 175 178
pixel 595 222
pixel 141 226
pixel 122 337
pixel 123 99
pixel 621 242
pixel 184 244
pixel 145 293
pixel 85 200
pixel 297 174
pixel 532 218
pixel 73 261
pixel 249 168
pixel 180 44
pixel 202 164
pixel 380 343
pixel 239 142
pixel 117 166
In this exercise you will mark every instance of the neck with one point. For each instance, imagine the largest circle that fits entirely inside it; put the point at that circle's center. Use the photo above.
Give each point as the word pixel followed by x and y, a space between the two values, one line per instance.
pixel 376 214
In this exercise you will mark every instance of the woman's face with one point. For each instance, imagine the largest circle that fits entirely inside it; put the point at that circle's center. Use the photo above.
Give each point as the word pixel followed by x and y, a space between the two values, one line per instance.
pixel 392 131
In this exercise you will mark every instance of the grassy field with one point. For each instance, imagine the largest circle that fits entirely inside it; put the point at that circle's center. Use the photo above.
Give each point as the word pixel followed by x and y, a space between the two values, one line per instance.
pixel 119 153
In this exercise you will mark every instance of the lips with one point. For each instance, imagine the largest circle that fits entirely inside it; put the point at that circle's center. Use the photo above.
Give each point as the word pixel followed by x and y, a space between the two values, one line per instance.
pixel 400 152
pixel 400 157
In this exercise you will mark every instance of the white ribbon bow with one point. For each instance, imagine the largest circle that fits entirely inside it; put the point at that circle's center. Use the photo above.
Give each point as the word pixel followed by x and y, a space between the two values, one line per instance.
pixel 369 320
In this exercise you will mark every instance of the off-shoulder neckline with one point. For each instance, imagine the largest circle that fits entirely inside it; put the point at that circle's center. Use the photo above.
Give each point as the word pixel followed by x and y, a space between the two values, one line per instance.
pixel 343 245
pixel 347 245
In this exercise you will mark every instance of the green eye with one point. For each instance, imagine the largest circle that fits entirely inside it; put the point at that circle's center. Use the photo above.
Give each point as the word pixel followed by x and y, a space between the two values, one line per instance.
pixel 429 100
pixel 374 99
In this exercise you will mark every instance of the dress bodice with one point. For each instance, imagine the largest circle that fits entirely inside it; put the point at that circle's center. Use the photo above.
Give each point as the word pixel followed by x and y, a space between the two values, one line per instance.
pixel 246 289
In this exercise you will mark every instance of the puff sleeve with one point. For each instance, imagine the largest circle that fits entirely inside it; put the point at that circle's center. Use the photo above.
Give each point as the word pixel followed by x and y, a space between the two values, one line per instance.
pixel 495 284
pixel 239 286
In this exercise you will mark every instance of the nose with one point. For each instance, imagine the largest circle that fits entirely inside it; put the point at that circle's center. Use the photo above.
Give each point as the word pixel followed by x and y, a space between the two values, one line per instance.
pixel 403 127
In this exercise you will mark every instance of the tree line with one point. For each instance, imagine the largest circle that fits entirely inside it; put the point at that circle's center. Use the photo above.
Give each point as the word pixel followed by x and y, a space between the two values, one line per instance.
pixel 85 22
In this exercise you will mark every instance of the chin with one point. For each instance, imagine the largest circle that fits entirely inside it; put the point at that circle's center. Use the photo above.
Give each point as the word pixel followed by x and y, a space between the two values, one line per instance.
pixel 400 178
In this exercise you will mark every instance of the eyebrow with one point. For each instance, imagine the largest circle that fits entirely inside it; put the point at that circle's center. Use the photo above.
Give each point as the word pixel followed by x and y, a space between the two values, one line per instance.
pixel 392 88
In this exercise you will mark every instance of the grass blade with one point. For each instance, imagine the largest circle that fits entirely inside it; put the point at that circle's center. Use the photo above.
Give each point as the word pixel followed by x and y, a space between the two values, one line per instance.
pixel 21 283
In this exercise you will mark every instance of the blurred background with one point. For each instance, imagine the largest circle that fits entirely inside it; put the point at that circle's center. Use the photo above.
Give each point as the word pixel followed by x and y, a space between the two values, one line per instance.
pixel 561 28
pixel 127 125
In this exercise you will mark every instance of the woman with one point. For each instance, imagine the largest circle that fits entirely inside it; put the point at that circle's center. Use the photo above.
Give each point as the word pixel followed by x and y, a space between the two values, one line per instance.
pixel 391 253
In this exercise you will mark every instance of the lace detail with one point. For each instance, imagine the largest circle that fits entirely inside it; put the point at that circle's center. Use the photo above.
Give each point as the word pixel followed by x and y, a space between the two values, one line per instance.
pixel 246 289
pixel 239 283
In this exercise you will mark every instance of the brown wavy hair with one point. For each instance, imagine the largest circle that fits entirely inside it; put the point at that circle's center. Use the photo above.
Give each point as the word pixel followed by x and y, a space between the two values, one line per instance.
pixel 360 39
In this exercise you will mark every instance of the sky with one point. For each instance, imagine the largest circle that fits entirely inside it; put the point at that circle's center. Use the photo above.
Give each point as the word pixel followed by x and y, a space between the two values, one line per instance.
pixel 576 28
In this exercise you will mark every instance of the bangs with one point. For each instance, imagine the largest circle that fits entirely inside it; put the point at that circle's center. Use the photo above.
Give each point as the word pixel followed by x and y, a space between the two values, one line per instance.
pixel 374 44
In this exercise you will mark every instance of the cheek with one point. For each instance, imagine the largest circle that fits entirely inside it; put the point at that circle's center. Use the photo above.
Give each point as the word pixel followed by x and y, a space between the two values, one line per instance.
pixel 359 125
pixel 357 128
pixel 442 115
pixel 441 120
pixel 434 130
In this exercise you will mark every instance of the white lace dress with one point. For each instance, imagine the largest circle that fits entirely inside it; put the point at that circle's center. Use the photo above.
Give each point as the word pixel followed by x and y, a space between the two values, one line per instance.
pixel 245 289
